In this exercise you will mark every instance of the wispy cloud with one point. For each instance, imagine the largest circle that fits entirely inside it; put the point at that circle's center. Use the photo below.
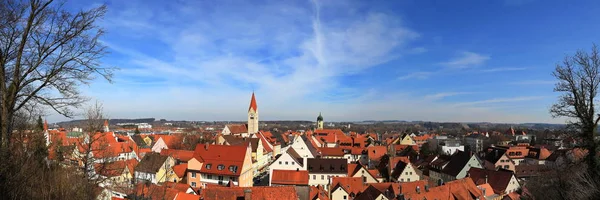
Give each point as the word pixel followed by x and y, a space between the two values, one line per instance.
pixel 466 59
pixel 503 69
pixel 438 96
pixel 534 82
pixel 499 100
pixel 416 75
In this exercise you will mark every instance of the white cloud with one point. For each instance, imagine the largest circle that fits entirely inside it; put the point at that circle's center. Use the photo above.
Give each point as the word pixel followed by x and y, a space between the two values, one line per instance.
pixel 442 95
pixel 466 60
pixel 416 75
pixel 503 69
pixel 499 100
pixel 534 82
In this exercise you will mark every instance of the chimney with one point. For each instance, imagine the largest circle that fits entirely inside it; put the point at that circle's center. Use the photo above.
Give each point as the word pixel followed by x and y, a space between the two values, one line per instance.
pixel 248 194
pixel 486 178
pixel 426 188
pixel 206 146
pixel 483 191
pixel 418 190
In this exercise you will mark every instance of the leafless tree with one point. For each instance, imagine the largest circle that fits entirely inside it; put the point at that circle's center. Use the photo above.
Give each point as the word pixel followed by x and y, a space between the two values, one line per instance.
pixel 46 52
pixel 578 80
pixel 95 150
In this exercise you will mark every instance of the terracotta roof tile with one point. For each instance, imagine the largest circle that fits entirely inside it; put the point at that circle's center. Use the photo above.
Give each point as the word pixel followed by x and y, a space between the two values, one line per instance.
pixel 289 177
pixel 230 157
pixel 181 155
pixel 180 170
pixel 263 193
pixel 185 196
pixel 352 185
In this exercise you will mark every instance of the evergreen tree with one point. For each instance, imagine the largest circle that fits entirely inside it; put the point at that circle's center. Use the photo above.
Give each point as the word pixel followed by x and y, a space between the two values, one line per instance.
pixel 40 124
pixel 137 131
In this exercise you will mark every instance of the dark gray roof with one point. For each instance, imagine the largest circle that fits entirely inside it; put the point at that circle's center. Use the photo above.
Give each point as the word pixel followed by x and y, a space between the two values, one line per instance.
pixel 457 162
pixel 236 140
pixel 494 154
pixel 139 141
pixel 151 163
pixel 322 165
pixel 311 148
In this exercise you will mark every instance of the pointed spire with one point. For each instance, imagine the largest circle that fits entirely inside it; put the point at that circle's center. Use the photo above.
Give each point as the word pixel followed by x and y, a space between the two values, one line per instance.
pixel 253 103
pixel 45 125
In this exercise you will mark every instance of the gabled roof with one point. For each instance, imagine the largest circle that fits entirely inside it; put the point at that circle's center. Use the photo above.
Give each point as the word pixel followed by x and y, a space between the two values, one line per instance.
pixel 181 187
pixel 318 192
pixel 180 170
pixel 181 155
pixel 494 154
pixel 333 166
pixel 230 157
pixel 376 152
pixel 185 196
pixel 237 128
pixel 352 185
pixel 289 177
pixel 457 162
pixel 154 192
pixel 139 141
pixel 295 156
pixel 354 168
pixel 151 163
pixel 368 194
pixel 499 180
pixel 398 169
pixel 116 168
pixel 237 140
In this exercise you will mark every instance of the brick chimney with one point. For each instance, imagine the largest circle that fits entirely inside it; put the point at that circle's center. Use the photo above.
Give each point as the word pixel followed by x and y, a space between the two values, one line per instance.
pixel 206 146
pixel 248 194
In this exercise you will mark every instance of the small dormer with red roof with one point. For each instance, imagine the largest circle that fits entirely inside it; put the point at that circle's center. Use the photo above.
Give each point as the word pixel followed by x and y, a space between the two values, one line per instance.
pixel 253 116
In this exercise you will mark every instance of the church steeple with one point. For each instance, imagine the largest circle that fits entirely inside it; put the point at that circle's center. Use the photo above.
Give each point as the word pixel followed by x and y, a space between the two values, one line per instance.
pixel 106 129
pixel 253 116
pixel 320 122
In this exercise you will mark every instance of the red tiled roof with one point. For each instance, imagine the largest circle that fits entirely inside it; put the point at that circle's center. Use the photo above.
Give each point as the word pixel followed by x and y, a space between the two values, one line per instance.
pixel 458 189
pixel 263 193
pixel 499 180
pixel 237 128
pixel 185 196
pixel 332 151
pixel 289 177
pixel 400 147
pixel 225 155
pixel 182 155
pixel 488 189
pixel 180 170
pixel 318 193
pixel 155 192
pixel 352 185
pixel 265 143
pixel 376 152
pixel 181 187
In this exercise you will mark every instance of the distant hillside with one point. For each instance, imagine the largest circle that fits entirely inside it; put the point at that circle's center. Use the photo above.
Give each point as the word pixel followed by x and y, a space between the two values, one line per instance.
pixel 111 121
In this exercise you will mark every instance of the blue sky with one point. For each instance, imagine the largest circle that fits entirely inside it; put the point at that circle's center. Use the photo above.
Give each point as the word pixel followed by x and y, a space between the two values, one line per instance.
pixel 455 61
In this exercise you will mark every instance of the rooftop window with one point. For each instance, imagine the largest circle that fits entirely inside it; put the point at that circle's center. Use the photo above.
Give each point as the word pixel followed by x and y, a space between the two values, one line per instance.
pixel 220 167
pixel 208 166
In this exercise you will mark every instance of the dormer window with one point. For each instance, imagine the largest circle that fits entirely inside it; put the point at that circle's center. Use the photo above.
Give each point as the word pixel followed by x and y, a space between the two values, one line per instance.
pixel 220 167
pixel 208 166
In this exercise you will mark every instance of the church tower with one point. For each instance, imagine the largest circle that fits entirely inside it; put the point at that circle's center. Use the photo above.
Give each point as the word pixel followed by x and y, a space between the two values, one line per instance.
pixel 106 129
pixel 253 116
pixel 320 122
pixel 46 134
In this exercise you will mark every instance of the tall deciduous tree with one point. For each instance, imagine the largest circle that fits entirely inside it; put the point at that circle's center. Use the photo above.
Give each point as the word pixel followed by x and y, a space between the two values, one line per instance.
pixel 46 52
pixel 578 81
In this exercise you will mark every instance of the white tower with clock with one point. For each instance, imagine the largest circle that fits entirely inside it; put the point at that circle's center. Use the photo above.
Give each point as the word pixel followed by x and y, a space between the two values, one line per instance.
pixel 253 116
